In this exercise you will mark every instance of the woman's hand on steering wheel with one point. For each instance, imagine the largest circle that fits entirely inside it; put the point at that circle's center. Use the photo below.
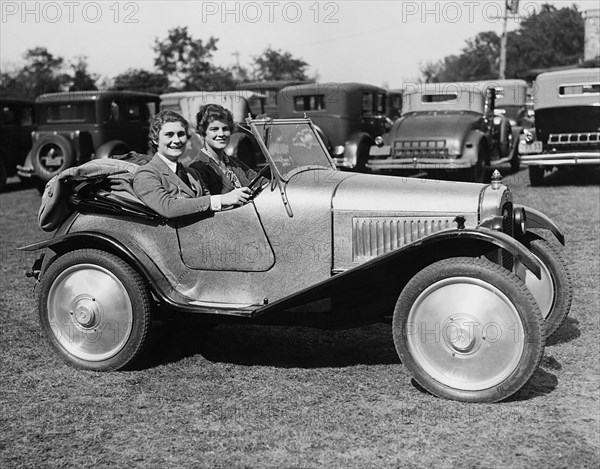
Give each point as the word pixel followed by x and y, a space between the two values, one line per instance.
pixel 254 185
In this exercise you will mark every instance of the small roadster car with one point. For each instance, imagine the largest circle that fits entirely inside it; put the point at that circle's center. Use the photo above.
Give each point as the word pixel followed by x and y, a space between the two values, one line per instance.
pixel 471 291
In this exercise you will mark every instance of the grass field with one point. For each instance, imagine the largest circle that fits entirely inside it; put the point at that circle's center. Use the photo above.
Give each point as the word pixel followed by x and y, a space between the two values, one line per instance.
pixel 255 396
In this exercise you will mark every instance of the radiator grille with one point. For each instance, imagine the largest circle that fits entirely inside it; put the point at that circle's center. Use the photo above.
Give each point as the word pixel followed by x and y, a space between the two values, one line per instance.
pixel 420 148
pixel 372 237
pixel 583 138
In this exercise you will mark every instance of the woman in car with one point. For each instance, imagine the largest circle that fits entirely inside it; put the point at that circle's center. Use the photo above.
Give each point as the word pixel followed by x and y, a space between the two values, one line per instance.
pixel 165 185
pixel 221 173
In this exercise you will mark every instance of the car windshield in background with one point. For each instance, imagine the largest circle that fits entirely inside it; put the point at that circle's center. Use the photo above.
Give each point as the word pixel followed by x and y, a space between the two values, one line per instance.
pixel 293 145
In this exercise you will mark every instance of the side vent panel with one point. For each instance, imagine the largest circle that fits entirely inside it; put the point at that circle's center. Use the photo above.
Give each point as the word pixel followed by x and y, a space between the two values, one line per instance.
pixel 372 237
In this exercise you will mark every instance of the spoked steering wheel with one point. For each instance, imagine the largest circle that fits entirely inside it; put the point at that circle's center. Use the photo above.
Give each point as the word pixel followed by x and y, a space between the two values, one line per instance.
pixel 254 185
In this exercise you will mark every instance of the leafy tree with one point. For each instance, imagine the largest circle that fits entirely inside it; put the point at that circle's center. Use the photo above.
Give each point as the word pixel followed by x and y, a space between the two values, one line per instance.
pixel 549 38
pixel 82 79
pixel 277 65
pixel 141 80
pixel 42 73
pixel 187 62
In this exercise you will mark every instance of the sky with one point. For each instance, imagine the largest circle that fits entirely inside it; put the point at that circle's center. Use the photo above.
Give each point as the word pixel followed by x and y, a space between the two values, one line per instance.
pixel 378 42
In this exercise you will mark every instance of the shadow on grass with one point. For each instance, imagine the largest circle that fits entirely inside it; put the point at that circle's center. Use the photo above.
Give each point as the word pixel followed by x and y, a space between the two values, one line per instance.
pixel 580 176
pixel 541 383
pixel 565 333
pixel 286 347
pixel 14 184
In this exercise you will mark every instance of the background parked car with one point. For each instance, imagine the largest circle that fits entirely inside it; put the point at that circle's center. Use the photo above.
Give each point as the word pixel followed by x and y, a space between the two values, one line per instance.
pixel 241 103
pixel 567 119
pixel 348 117
pixel 446 127
pixel 16 124
pixel 270 89
pixel 78 126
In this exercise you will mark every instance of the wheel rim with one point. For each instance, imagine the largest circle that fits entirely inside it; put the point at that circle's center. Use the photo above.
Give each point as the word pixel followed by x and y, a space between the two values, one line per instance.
pixel 465 333
pixel 542 289
pixel 51 157
pixel 90 312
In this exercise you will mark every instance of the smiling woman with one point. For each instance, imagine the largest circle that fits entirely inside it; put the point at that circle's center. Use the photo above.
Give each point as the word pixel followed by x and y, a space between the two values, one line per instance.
pixel 222 173
pixel 165 185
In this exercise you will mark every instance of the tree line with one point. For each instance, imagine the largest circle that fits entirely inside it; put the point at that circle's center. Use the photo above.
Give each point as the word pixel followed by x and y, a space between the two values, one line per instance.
pixel 181 63
pixel 548 38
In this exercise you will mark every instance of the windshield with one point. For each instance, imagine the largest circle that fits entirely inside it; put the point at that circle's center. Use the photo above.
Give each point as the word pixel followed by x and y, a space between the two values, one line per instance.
pixel 292 144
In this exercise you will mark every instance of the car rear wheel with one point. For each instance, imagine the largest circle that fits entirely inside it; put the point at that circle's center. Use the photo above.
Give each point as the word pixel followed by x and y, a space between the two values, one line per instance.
pixel 536 175
pixel 94 309
pixel 2 176
pixel 51 155
pixel 476 173
pixel 554 291
pixel 469 330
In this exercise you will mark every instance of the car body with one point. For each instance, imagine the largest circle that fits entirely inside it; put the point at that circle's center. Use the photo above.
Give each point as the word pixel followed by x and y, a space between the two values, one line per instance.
pixel 270 89
pixel 315 246
pixel 567 122
pixel 394 103
pixel 241 103
pixel 348 117
pixel 446 127
pixel 16 125
pixel 78 126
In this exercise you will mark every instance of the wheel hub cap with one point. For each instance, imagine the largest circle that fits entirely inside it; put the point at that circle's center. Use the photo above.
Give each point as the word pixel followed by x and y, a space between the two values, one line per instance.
pixel 86 312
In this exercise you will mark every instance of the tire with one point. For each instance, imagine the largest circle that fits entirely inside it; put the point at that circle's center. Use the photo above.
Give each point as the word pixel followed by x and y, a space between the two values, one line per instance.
pixel 51 155
pixel 554 291
pixel 92 328
pixel 443 325
pixel 2 176
pixel 536 175
pixel 362 155
pixel 505 137
pixel 476 173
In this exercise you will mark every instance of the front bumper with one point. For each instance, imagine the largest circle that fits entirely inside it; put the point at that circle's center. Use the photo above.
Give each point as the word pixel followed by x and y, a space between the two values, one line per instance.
pixel 562 159
pixel 446 164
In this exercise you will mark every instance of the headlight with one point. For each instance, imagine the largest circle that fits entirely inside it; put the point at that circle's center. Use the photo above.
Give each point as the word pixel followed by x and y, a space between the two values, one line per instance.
pixel 519 221
pixel 528 136
pixel 338 150
pixel 379 141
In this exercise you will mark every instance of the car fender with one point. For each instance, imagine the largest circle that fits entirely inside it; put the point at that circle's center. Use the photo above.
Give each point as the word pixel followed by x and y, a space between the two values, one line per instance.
pixel 107 149
pixel 323 137
pixel 471 146
pixel 473 242
pixel 536 219
pixel 352 145
pixel 134 256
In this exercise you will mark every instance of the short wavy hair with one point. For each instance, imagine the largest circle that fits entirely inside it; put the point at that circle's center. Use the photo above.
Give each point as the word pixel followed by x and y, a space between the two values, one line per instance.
pixel 212 112
pixel 158 120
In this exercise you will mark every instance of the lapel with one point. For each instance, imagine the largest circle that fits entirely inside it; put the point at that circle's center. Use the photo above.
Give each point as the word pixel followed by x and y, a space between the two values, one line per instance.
pixel 225 181
pixel 173 179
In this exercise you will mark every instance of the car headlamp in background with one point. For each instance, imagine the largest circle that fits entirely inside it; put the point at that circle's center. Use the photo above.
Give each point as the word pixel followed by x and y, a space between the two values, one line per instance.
pixel 338 150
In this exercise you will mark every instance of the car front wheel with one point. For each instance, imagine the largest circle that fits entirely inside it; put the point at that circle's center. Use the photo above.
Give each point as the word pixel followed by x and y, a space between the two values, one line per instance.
pixel 95 310
pixel 469 330
pixel 554 291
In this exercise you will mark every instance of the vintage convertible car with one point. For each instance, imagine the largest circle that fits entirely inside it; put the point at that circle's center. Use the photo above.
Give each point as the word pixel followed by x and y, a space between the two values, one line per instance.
pixel 471 292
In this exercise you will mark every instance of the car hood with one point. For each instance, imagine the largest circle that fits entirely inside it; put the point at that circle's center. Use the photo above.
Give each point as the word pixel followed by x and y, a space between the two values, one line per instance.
pixel 401 195
pixel 450 127
pixel 374 214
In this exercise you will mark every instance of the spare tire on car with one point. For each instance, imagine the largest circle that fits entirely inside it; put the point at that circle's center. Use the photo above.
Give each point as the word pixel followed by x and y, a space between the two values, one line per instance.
pixel 51 154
